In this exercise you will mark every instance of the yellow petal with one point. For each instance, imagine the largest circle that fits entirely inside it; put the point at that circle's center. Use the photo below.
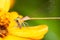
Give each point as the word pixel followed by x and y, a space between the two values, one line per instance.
pixel 4 5
pixel 36 32
pixel 14 15
pixel 1 39
pixel 10 37
pixel 12 3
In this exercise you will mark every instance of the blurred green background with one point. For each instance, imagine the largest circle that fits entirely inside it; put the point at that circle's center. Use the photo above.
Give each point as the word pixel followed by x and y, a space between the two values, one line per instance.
pixel 41 8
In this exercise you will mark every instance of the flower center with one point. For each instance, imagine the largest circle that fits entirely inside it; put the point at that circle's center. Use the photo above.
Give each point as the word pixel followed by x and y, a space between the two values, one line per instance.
pixel 4 23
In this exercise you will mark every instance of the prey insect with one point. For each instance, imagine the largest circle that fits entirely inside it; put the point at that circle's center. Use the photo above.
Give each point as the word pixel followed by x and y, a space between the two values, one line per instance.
pixel 21 21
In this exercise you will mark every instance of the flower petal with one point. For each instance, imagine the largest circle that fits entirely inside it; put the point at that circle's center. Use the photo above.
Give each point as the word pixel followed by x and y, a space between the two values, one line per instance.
pixel 4 5
pixel 36 32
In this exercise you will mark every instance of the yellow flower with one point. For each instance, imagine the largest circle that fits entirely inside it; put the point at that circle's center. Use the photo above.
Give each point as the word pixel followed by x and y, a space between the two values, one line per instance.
pixel 10 23
pixel 25 33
